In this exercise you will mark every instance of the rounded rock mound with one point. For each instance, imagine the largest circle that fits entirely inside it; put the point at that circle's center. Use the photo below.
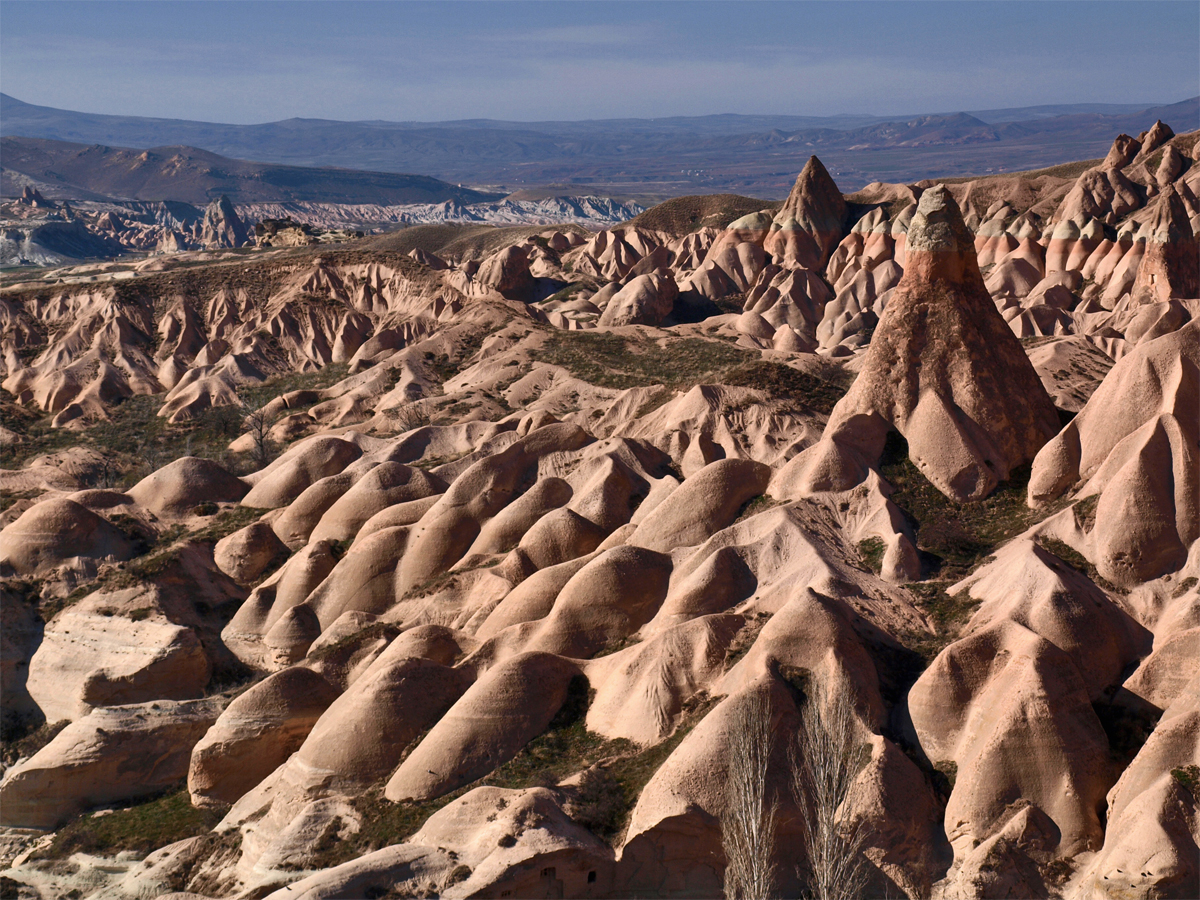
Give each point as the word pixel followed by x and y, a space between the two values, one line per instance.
pixel 54 531
pixel 256 734
pixel 175 489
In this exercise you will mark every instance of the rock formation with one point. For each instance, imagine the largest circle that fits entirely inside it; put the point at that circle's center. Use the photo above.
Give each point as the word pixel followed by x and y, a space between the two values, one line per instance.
pixel 646 300
pixel 1171 262
pixel 112 754
pixel 943 370
pixel 221 226
pixel 1133 449
pixel 460 565
pixel 507 272
pixel 810 223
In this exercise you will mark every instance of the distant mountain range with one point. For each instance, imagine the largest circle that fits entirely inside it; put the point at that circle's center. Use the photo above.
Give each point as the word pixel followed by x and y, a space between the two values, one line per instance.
pixel 82 171
pixel 757 155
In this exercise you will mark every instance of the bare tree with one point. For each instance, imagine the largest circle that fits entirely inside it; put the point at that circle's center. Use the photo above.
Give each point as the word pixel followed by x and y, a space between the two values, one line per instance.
pixel 408 417
pixel 748 826
pixel 257 422
pixel 106 474
pixel 826 760
pixel 150 456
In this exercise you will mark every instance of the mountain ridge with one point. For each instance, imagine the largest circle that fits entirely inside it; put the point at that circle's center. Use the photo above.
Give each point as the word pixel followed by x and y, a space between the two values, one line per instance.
pixel 670 157
pixel 194 175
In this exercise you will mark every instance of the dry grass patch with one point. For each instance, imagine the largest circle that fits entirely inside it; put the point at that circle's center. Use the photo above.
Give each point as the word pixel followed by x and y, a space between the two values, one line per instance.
pixel 615 772
pixel 955 538
pixel 619 362
pixel 141 828
pixel 612 361
pixel 683 215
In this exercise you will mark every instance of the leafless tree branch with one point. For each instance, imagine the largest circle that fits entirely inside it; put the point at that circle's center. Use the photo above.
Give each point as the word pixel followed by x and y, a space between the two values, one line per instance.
pixel 826 759
pixel 748 826
pixel 257 423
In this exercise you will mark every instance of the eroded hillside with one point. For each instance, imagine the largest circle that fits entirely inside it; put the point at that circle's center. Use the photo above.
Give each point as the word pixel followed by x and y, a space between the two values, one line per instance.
pixel 462 561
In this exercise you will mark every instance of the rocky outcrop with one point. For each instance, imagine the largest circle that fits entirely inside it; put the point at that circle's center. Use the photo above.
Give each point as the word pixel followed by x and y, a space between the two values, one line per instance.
pixel 55 531
pixel 256 734
pixel 641 700
pixel 222 227
pixel 1171 264
pixel 176 489
pixel 1133 446
pixel 494 719
pixel 246 554
pixel 453 523
pixel 507 272
pixel 491 841
pixel 811 221
pixel 31 196
pixel 705 503
pixel 1151 845
pixel 944 370
pixel 646 300
pixel 1122 153
pixel 384 486
pixel 1158 134
pixel 109 755
pixel 301 467
pixel 95 657
pixel 1033 697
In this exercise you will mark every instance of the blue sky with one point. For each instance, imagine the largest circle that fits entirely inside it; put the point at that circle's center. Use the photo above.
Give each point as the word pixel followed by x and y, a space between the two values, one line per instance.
pixel 253 62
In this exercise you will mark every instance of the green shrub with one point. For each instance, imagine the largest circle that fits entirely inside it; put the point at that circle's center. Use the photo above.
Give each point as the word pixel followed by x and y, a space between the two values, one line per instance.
pixel 1085 512
pixel 745 638
pixel 948 769
pixel 144 827
pixel 955 538
pixel 226 522
pixel 756 505
pixel 871 550
pixel 1076 561
pixel 1064 551
pixel 948 614
pixel 599 803
pixel 1058 871
pixel 154 565
pixel 1189 777
pixel 612 361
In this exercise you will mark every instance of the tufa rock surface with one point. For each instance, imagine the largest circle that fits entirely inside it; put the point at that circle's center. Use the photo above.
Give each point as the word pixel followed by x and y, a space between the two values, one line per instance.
pixel 943 369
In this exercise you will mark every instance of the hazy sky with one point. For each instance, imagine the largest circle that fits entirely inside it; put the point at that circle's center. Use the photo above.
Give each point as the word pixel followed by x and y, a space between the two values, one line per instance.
pixel 253 62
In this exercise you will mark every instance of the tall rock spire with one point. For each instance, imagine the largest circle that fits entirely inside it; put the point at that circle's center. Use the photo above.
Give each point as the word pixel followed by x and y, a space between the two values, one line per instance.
pixel 811 222
pixel 943 369
pixel 221 226
pixel 1171 264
